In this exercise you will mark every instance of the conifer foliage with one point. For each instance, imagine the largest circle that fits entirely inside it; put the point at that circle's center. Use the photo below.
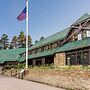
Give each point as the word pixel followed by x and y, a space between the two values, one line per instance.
pixel 16 41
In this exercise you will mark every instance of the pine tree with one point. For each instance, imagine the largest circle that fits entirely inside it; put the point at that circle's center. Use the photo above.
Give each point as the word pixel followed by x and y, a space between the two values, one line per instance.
pixel 4 41
pixel 14 42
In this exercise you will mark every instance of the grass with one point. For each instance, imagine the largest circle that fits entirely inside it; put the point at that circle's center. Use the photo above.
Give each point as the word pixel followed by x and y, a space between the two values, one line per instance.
pixel 64 68
pixel 45 67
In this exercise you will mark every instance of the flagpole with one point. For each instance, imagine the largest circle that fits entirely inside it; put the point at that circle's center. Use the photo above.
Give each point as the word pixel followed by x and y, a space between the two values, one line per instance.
pixel 27 34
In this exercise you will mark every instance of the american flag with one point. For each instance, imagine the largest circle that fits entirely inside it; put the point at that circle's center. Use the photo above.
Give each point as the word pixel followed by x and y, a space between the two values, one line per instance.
pixel 22 15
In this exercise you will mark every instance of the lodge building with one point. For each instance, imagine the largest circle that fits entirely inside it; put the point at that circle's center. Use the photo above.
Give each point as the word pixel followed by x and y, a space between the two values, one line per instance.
pixel 67 47
pixel 70 46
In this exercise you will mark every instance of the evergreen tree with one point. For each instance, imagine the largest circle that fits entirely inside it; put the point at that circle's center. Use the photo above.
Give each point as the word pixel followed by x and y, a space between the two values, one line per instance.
pixel 22 40
pixel 4 41
pixel 29 41
pixel 0 44
pixel 14 42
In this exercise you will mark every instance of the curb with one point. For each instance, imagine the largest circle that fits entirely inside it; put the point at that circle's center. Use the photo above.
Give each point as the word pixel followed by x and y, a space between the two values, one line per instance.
pixel 47 84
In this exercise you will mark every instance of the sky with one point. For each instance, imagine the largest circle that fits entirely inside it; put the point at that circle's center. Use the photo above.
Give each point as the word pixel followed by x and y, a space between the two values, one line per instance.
pixel 46 17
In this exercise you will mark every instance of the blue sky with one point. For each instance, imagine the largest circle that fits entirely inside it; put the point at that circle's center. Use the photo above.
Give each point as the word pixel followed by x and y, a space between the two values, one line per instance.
pixel 46 17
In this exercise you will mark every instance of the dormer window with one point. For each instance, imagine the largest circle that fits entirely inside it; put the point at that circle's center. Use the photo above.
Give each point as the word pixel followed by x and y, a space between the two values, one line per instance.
pixel 79 36
pixel 84 34
pixel 75 38
pixel 88 33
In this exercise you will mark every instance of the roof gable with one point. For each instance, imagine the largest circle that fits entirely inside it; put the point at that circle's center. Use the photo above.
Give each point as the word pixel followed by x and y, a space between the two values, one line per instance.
pixel 83 17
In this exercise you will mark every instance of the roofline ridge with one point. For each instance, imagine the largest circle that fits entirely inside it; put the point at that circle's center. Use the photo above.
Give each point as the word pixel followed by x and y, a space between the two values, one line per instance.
pixel 80 18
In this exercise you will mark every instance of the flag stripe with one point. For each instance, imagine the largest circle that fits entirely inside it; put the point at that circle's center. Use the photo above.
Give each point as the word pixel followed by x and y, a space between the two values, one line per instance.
pixel 22 15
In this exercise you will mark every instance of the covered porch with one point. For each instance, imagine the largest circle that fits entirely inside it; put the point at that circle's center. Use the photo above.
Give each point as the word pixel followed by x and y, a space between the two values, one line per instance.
pixel 42 58
pixel 78 57
pixel 41 61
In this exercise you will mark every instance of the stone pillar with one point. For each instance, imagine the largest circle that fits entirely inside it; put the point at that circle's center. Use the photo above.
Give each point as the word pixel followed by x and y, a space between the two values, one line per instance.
pixel 60 59
pixel 43 61
pixel 34 62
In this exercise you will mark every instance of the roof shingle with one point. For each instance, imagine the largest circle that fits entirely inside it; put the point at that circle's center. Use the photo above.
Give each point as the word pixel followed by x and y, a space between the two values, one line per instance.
pixel 53 38
pixel 75 45
pixel 10 55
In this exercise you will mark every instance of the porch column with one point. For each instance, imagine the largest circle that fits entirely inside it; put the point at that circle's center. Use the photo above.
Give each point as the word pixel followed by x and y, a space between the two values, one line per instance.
pixel 43 61
pixel 34 62
pixel 76 58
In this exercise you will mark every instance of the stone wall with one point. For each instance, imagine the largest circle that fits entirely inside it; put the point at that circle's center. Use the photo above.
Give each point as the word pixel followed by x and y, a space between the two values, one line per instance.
pixel 60 59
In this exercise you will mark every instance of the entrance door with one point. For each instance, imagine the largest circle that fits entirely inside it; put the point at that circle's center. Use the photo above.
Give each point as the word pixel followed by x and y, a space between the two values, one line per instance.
pixel 38 62
pixel 49 60
pixel 73 59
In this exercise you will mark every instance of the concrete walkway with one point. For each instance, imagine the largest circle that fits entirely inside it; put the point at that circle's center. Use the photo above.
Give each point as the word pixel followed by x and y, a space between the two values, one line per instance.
pixel 9 83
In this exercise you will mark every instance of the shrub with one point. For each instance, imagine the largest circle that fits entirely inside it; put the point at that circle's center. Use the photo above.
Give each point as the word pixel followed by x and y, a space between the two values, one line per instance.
pixel 21 66
pixel 11 66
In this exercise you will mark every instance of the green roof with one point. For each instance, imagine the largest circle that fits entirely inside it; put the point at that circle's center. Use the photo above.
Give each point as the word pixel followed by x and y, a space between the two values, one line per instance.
pixel 67 47
pixel 75 45
pixel 85 16
pixel 22 59
pixel 10 54
pixel 55 37
pixel 41 54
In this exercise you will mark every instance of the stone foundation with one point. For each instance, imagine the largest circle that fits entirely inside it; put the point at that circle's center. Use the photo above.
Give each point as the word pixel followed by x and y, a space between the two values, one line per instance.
pixel 60 59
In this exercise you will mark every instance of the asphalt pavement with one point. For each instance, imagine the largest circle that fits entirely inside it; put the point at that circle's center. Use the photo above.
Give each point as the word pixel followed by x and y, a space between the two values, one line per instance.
pixel 10 83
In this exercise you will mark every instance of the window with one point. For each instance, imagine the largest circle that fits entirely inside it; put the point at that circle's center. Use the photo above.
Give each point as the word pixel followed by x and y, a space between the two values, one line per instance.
pixel 73 59
pixel 79 36
pixel 30 52
pixel 68 59
pixel 55 45
pixel 33 51
pixel 84 34
pixel 50 46
pixel 88 33
pixel 46 48
pixel 39 49
pixel 79 58
pixel 58 44
pixel 75 38
pixel 86 57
